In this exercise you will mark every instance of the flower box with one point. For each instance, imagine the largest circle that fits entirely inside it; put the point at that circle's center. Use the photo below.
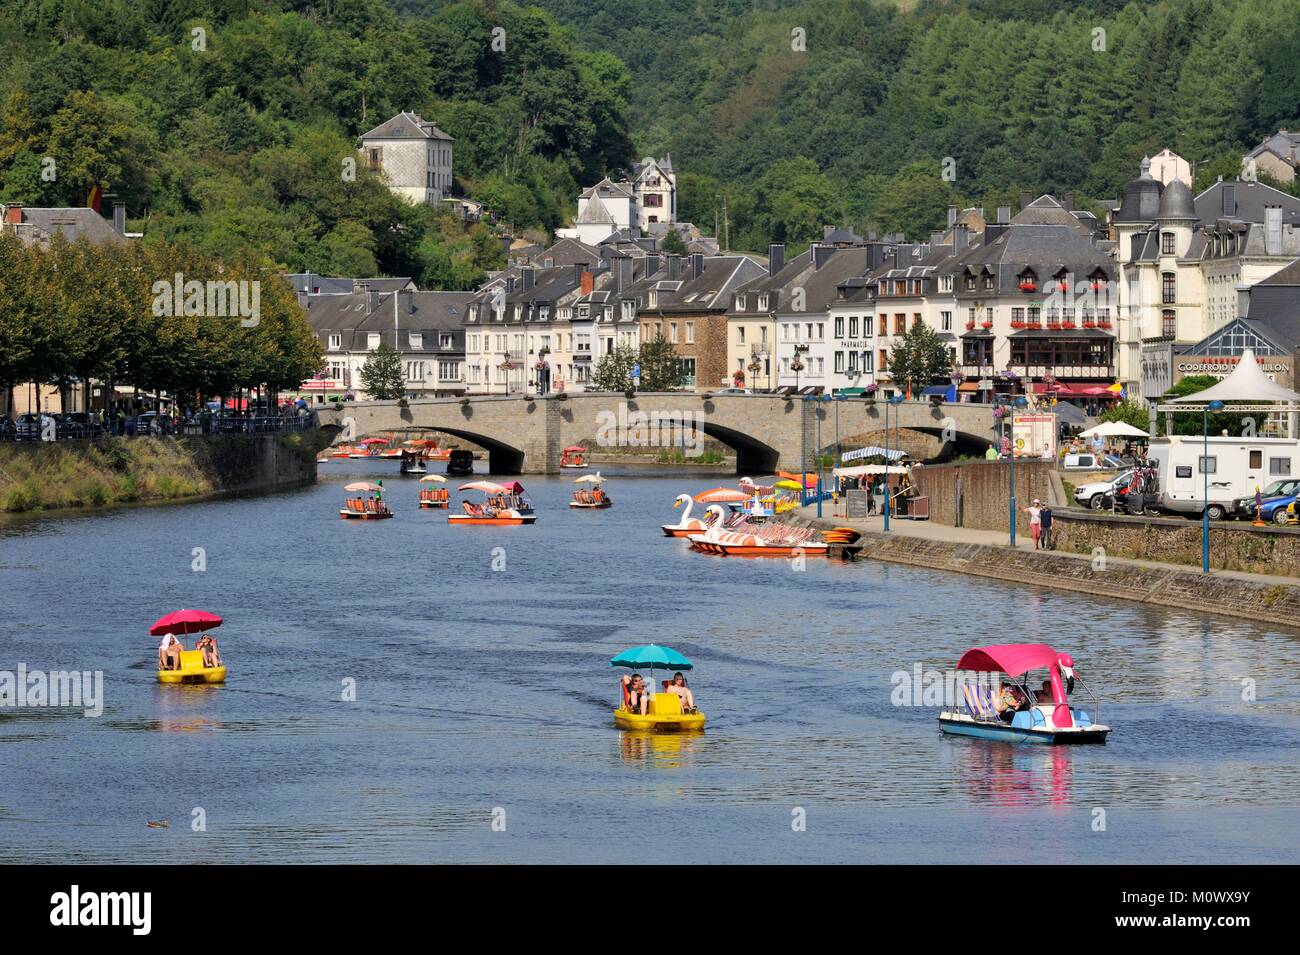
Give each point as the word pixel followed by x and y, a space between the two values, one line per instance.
pixel 986 324
pixel 1017 324
pixel 1067 325
pixel 1054 326
pixel 1028 287
pixel 970 326
pixel 1089 324
pixel 1105 325
pixel 1063 286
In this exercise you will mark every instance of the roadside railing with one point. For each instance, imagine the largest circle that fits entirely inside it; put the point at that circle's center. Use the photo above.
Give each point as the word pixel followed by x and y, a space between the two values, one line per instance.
pixel 51 428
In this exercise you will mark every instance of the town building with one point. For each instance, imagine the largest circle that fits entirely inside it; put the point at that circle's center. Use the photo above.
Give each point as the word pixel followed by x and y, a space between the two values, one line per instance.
pixel 654 184
pixel 427 328
pixel 413 156
pixel 1277 157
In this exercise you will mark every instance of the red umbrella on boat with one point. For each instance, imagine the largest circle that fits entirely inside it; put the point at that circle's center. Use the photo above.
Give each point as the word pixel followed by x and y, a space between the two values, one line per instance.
pixel 185 621
pixel 373 441
pixel 721 495
pixel 513 487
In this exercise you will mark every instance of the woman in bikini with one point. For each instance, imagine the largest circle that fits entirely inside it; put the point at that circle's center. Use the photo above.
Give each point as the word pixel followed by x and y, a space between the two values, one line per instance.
pixel 678 686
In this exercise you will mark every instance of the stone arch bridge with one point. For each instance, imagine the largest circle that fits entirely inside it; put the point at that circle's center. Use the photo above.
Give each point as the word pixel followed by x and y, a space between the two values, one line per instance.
pixel 526 435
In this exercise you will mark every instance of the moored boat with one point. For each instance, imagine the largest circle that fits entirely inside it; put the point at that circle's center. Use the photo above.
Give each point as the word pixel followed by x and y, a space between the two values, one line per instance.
pixel 371 508
pixel 505 504
pixel 592 496
pixel 747 538
pixel 1007 708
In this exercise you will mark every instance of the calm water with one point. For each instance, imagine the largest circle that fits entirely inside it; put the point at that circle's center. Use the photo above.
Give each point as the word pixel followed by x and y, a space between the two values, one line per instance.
pixel 480 690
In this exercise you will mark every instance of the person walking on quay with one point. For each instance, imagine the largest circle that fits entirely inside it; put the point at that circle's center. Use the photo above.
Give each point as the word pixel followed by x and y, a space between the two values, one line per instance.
pixel 1036 521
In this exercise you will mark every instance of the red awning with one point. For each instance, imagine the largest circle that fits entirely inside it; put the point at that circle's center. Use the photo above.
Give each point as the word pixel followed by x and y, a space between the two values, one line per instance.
pixel 1068 390
pixel 1010 658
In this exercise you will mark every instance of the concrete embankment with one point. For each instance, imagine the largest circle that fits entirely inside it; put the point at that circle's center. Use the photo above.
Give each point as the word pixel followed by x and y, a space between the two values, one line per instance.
pixel 1245 596
pixel 38 476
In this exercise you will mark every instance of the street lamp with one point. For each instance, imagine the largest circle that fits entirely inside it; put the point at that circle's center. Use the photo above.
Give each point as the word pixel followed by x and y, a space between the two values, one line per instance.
pixel 803 449
pixel 895 400
pixel 1215 405
pixel 1008 404
pixel 818 450
pixel 796 366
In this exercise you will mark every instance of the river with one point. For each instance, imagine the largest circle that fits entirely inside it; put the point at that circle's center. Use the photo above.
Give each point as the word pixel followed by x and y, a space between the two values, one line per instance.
pixel 481 727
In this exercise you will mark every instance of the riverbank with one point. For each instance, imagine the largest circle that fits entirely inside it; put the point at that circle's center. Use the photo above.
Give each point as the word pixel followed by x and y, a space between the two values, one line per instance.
pixel 1260 598
pixel 114 472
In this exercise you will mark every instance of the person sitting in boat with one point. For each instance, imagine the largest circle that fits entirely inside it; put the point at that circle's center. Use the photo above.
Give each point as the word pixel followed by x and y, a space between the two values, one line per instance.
pixel 1044 694
pixel 638 698
pixel 209 647
pixel 169 652
pixel 1008 701
pixel 678 685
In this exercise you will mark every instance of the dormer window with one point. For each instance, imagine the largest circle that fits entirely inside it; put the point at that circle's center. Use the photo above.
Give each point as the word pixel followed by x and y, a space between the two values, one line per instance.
pixel 740 303
pixel 945 283
pixel 444 340
pixel 762 302
pixel 970 282
pixel 336 342
pixel 417 341
pixel 372 341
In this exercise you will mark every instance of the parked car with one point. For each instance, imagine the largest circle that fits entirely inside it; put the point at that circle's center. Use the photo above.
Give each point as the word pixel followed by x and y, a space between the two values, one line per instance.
pixel 733 391
pixel 1273 498
pixel 1093 494
pixel 28 425
pixel 1091 462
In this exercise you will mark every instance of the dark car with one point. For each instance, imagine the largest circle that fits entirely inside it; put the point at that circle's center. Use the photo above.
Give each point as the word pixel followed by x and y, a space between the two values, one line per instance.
pixel 460 462
pixel 1274 499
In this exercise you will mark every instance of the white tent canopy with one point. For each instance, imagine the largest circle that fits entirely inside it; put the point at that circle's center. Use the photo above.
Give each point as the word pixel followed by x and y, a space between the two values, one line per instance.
pixel 1246 383
pixel 1114 429
pixel 866 469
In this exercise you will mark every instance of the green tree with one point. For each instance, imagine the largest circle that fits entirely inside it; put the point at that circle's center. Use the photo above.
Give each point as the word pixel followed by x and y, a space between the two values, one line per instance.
pixel 672 244
pixel 614 370
pixel 1191 422
pixel 661 369
pixel 919 358
pixel 381 374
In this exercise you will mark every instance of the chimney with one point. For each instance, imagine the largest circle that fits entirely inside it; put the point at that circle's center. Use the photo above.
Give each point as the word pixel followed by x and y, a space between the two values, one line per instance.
pixel 960 238
pixel 527 276
pixel 510 285
pixel 674 266
pixel 586 282
pixel 821 254
pixel 697 264
pixel 1025 199
pixel 1069 202
pixel 952 216
pixel 119 218
pixel 625 266
pixel 775 257
pixel 936 238
pixel 14 213
pixel 1272 230
pixel 1004 214
pixel 1229 200
pixel 578 269
pixel 404 301
pixel 652 262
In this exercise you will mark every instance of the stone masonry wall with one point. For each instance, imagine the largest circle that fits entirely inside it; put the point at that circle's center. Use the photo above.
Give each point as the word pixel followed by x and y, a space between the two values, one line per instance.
pixel 984 490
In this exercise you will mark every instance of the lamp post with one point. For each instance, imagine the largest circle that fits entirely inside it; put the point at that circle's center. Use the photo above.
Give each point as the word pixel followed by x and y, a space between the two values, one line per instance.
pixel 1019 401
pixel 803 450
pixel 818 451
pixel 796 366
pixel 1205 475
pixel 888 492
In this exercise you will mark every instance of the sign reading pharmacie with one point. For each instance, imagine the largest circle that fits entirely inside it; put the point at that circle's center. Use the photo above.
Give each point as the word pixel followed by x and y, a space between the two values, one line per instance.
pixel 1277 367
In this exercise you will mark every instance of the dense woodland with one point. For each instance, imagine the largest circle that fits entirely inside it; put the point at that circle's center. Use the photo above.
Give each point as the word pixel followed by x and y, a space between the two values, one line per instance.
pixel 235 144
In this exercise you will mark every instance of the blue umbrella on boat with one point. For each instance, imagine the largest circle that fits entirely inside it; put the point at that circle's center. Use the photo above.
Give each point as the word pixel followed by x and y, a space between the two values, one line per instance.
pixel 652 656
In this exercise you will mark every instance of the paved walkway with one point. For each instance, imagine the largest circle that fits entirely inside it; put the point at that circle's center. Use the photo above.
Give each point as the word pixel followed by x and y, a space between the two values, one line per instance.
pixel 928 530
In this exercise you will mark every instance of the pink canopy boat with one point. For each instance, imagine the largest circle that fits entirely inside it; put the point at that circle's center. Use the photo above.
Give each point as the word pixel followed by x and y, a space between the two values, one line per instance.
pixel 1041 714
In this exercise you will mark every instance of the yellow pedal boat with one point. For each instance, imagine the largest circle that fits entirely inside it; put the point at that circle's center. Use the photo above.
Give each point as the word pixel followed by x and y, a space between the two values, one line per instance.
pixel 193 671
pixel 663 714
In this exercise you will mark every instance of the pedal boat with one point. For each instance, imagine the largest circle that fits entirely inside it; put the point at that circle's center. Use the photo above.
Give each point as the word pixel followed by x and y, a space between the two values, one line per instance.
pixel 687 525
pixel 516 509
pixel 574 456
pixel 364 509
pixel 594 499
pixel 434 496
pixel 664 712
pixel 1054 723
pixel 193 671
pixel 746 539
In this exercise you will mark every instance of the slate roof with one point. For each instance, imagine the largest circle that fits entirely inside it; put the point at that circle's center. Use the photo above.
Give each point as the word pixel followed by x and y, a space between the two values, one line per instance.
pixel 406 125
pixel 355 315
pixel 1246 201
pixel 41 224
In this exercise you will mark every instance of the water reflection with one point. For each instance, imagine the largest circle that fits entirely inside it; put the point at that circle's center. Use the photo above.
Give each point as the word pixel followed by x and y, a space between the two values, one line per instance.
pixel 657 750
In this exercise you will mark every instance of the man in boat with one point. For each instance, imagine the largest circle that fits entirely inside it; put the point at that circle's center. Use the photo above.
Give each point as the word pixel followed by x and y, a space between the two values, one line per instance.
pixel 637 697
pixel 169 652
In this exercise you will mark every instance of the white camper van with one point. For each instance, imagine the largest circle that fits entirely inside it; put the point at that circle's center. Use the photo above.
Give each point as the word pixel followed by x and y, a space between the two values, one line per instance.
pixel 1236 467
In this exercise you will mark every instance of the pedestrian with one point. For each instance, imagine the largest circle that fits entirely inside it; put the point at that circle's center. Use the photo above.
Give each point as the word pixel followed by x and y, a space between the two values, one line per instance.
pixel 1045 518
pixel 1036 521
